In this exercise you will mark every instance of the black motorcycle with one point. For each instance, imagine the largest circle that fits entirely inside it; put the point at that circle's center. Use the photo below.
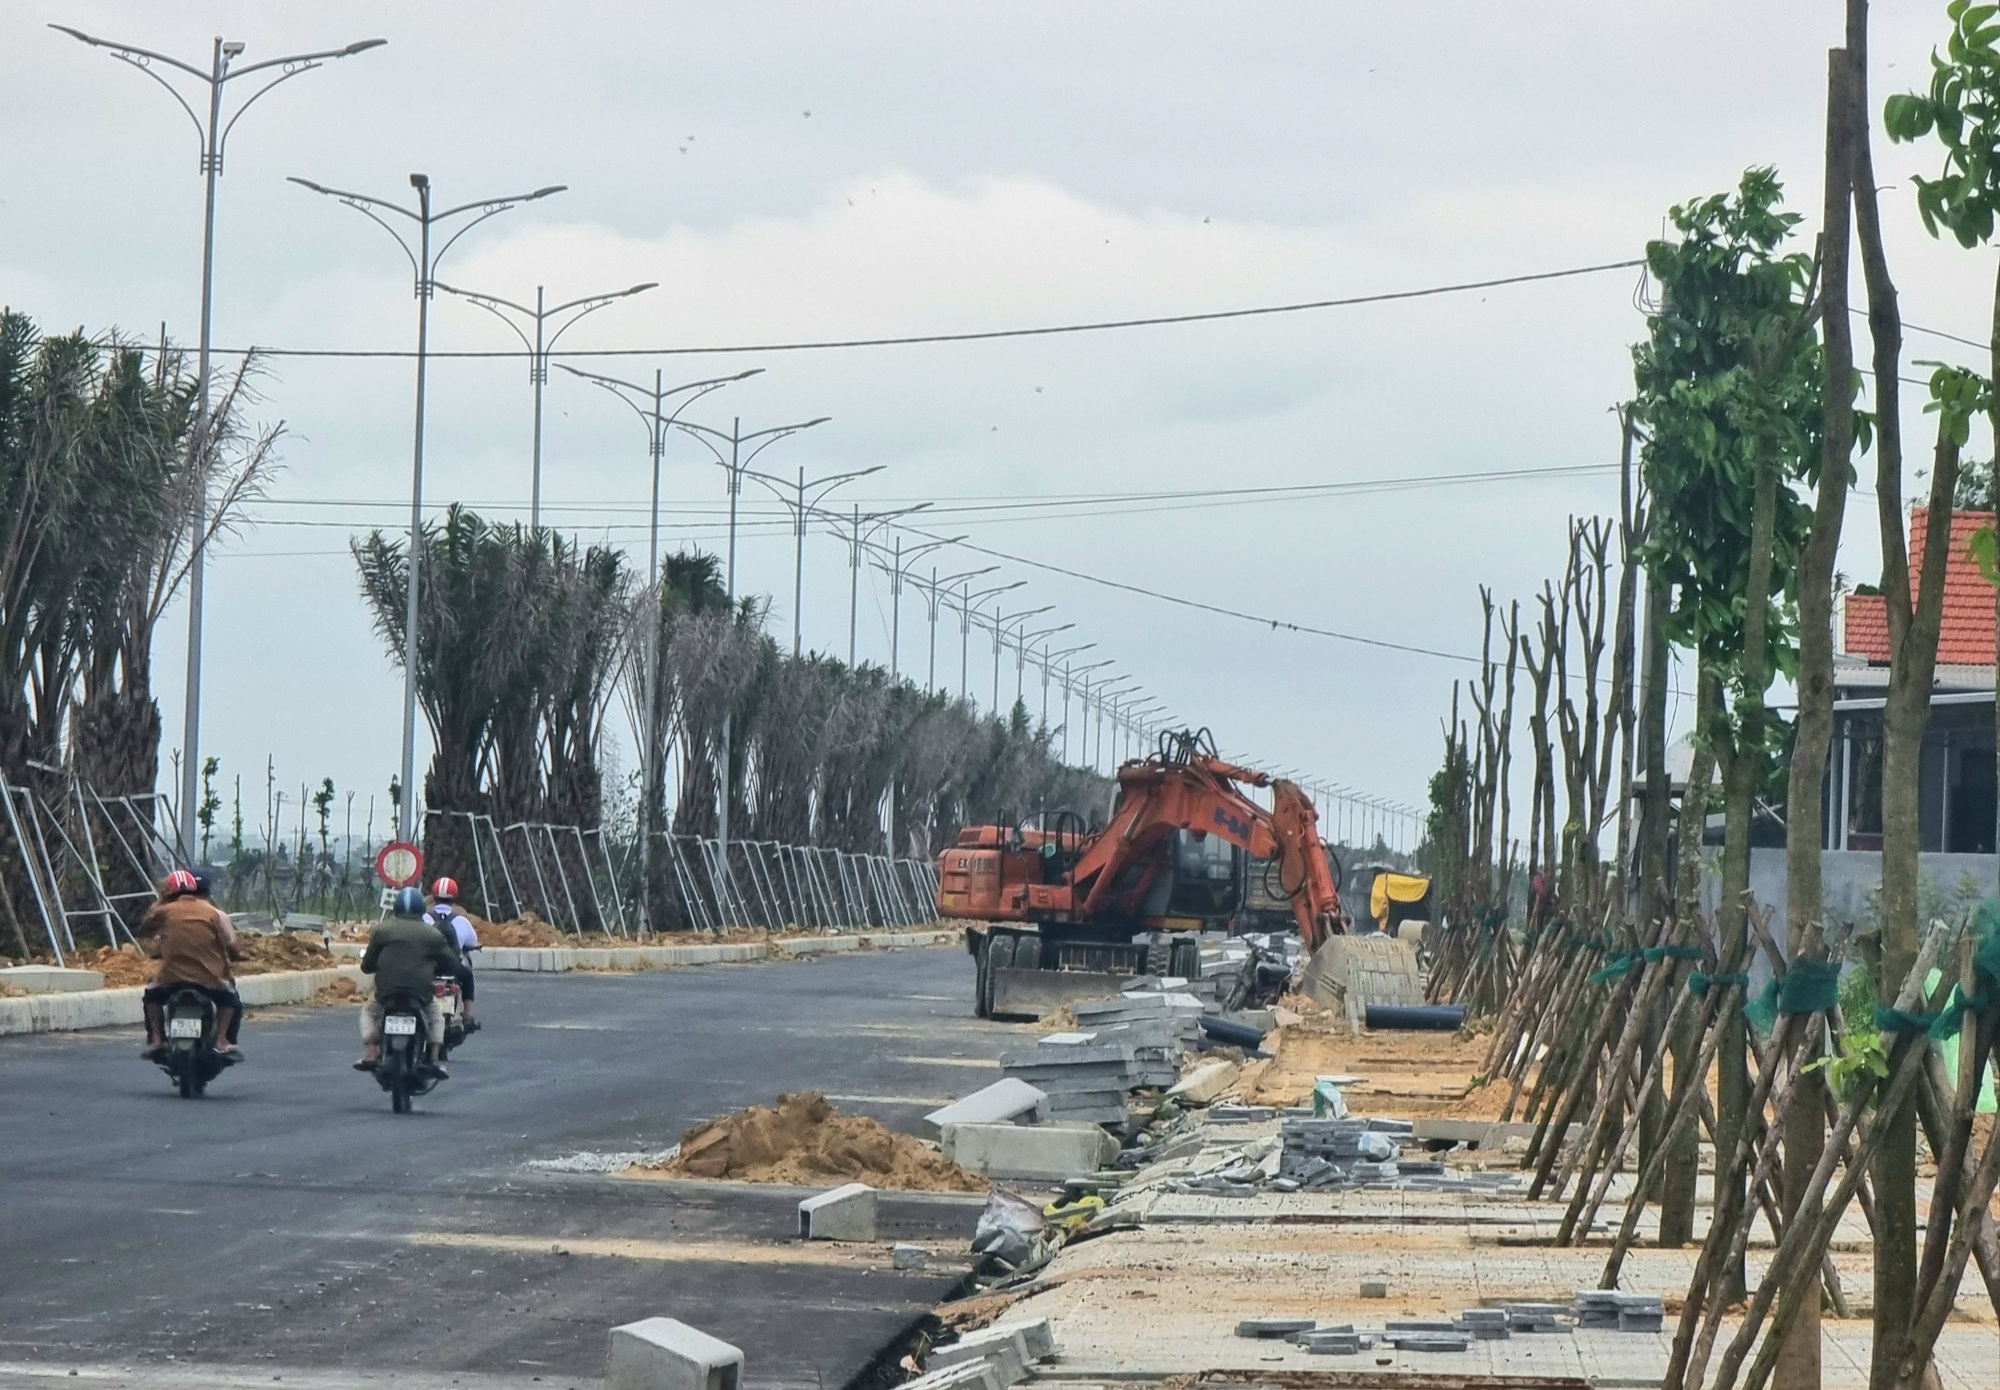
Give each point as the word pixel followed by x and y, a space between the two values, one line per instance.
pixel 404 1071
pixel 189 1060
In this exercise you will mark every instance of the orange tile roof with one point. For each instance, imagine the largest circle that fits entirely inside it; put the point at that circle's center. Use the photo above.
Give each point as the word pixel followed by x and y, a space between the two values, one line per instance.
pixel 1966 629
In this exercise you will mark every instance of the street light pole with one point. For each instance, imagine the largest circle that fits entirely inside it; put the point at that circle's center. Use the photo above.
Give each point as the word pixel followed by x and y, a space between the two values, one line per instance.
pixel 1068 680
pixel 1047 658
pixel 898 571
pixel 937 593
pixel 540 347
pixel 737 465
pixel 214 137
pixel 424 262
pixel 1000 623
pixel 657 423
pixel 967 603
pixel 860 527
pixel 1021 640
pixel 794 498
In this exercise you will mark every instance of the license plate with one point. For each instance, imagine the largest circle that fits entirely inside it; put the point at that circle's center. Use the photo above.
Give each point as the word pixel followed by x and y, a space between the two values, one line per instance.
pixel 400 1025
pixel 184 1028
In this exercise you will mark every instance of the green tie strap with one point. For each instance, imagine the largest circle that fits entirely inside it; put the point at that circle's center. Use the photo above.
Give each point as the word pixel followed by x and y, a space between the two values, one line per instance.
pixel 1655 954
pixel 1763 1010
pixel 1700 982
pixel 1811 987
pixel 1617 968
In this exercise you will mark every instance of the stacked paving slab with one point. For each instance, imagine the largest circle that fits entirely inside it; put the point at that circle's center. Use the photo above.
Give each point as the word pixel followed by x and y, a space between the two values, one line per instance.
pixel 1129 1043
pixel 1314 1154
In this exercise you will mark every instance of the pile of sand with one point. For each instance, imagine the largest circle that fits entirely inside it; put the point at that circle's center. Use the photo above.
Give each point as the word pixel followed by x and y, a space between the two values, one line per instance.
pixel 806 1141
pixel 122 966
pixel 264 954
pixel 525 930
pixel 341 991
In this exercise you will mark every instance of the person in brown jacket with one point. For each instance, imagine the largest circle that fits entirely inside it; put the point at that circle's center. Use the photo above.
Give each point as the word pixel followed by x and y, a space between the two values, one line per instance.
pixel 194 944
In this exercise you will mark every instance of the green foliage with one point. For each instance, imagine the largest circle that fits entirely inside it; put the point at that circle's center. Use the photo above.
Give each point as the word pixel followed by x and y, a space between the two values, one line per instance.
pixel 1962 109
pixel 1728 384
pixel 1859 1058
pixel 1973 491
pixel 210 803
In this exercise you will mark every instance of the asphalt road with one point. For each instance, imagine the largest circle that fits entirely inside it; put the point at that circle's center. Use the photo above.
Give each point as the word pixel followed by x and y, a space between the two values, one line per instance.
pixel 289 1226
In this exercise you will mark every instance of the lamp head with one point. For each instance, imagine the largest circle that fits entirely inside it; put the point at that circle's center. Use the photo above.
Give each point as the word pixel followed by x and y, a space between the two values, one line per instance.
pixel 362 47
pixel 231 49
pixel 420 181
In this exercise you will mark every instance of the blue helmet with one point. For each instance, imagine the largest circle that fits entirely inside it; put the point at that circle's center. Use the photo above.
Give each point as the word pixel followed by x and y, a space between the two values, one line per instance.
pixel 410 902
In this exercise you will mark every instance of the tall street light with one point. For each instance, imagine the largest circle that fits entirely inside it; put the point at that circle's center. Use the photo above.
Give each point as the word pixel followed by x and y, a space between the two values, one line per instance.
pixel 794 498
pixel 1116 684
pixel 1046 659
pixel 898 570
pixel 650 406
pixel 539 349
pixel 937 593
pixel 1131 715
pixel 214 137
pixel 736 464
pixel 861 528
pixel 1070 673
pixel 1021 641
pixel 966 604
pixel 423 261
pixel 999 623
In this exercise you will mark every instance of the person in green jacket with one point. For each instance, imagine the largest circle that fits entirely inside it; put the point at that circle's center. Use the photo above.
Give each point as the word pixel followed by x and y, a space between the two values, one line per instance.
pixel 406 953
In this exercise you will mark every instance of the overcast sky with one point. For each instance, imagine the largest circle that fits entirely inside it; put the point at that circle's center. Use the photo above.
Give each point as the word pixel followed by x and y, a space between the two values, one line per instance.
pixel 804 171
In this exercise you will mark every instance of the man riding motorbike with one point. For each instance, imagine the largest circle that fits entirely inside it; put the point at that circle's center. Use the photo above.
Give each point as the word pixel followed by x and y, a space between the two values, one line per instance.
pixel 450 919
pixel 194 943
pixel 406 953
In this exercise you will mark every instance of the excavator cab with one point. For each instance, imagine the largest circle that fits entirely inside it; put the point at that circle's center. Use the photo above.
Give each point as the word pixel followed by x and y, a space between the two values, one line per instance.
pixel 1204 881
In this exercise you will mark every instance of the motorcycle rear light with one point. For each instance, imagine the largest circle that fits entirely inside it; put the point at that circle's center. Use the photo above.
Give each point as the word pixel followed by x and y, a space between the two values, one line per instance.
pixel 440 987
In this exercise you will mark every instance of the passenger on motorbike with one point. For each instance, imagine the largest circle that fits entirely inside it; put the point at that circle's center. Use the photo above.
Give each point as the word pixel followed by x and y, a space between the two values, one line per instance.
pixel 405 954
pixel 194 943
pixel 449 918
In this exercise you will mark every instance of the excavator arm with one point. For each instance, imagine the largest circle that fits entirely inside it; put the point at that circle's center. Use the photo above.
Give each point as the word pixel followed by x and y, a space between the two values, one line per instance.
pixel 1201 794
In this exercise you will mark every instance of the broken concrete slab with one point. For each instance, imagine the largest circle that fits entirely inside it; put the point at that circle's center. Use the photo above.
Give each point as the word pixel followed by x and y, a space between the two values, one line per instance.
pixel 1051 1152
pixel 845 1213
pixel 1009 1100
pixel 1273 1327
pixel 908 1257
pixel 1006 1351
pixel 1037 1333
pixel 664 1354
pixel 1205 1082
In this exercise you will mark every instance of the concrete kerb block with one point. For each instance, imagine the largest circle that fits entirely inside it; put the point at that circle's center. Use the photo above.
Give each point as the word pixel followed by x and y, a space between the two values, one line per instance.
pixel 845 1213
pixel 1009 1100
pixel 1006 1351
pixel 1205 1082
pixel 51 979
pixel 1052 1152
pixel 968 1375
pixel 1037 1333
pixel 663 1354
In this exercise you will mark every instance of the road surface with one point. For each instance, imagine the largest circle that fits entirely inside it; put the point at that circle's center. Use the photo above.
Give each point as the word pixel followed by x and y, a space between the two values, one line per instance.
pixel 288 1228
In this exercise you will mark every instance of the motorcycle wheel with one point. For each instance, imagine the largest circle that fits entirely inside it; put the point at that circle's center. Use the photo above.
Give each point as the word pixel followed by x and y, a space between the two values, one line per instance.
pixel 184 1065
pixel 399 1093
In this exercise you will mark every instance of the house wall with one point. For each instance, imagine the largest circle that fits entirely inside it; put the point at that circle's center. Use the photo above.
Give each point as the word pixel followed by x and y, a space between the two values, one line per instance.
pixel 1848 883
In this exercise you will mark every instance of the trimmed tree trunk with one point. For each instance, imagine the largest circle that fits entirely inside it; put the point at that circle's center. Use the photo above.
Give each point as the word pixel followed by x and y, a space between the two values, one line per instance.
pixel 1677 1192
pixel 1799 1365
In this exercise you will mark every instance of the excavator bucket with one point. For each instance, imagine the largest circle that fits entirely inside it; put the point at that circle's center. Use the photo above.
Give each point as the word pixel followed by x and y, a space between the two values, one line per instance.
pixel 1035 993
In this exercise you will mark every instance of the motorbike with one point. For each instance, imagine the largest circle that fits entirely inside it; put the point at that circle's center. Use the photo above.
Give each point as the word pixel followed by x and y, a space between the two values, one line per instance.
pixel 403 1071
pixel 451 1003
pixel 190 1061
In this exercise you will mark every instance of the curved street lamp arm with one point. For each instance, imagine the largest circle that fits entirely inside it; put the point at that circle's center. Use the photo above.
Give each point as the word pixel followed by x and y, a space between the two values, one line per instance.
pixel 222 141
pixel 452 240
pixel 360 46
pixel 128 51
pixel 590 306
pixel 500 204
pixel 369 212
pixel 490 307
pixel 485 301
pixel 354 198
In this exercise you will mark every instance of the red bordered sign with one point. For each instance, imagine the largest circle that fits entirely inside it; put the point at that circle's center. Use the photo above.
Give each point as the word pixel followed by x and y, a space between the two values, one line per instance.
pixel 399 864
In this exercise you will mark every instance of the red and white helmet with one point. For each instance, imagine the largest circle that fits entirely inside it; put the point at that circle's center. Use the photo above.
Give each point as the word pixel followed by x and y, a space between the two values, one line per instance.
pixel 178 882
pixel 445 890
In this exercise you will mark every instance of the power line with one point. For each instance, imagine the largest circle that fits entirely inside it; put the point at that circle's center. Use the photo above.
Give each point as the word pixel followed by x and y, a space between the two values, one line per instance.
pixel 982 335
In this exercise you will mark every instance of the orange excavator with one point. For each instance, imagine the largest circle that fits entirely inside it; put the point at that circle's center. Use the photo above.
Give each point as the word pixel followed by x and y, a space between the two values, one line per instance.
pixel 1063 913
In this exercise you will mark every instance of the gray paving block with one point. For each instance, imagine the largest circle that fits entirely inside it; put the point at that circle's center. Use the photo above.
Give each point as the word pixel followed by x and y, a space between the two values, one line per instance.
pixel 1273 1327
pixel 845 1213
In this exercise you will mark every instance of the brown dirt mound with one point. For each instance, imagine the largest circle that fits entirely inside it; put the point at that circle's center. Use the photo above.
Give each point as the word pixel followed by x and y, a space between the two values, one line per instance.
pixel 341 991
pixel 525 930
pixel 264 955
pixel 122 966
pixel 1408 1074
pixel 806 1141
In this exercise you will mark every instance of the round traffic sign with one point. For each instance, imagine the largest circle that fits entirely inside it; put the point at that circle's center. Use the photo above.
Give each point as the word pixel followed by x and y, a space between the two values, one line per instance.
pixel 399 864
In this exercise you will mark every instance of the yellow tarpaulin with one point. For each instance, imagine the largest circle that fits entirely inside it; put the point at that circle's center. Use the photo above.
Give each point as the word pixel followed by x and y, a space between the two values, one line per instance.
pixel 1395 888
